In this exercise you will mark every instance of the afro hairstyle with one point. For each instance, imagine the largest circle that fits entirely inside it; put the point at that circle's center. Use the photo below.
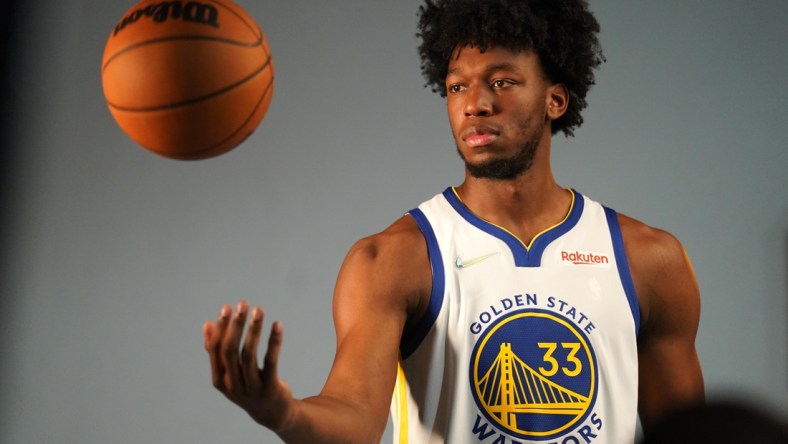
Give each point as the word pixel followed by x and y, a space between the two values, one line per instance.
pixel 563 33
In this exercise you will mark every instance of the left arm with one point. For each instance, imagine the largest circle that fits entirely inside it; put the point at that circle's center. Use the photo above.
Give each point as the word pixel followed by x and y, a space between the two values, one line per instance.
pixel 670 376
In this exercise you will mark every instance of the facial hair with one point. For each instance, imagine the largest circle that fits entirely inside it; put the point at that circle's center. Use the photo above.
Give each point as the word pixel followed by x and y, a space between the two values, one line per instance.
pixel 507 168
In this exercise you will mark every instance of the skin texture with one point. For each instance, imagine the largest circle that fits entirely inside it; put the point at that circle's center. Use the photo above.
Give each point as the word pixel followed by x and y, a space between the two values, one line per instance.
pixel 500 104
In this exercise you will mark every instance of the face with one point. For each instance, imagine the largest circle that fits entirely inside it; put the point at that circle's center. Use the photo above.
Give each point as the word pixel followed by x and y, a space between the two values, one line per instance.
pixel 498 105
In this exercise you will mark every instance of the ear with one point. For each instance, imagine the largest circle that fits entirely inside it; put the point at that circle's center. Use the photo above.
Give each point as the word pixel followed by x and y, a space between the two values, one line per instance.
pixel 557 100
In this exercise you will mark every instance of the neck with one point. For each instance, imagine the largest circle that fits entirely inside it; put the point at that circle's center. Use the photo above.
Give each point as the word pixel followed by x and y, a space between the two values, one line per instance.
pixel 526 205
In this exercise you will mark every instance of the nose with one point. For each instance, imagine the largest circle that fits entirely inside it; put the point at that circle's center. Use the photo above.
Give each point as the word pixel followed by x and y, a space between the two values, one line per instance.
pixel 479 102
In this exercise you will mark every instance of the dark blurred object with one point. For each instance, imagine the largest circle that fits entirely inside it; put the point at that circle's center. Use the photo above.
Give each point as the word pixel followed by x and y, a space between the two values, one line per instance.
pixel 9 14
pixel 720 422
pixel 7 21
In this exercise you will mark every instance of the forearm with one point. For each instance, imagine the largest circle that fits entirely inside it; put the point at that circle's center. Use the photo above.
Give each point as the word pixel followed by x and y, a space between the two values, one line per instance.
pixel 328 420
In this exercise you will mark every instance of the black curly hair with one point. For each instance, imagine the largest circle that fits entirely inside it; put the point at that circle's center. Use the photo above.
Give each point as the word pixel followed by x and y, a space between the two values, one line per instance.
pixel 563 33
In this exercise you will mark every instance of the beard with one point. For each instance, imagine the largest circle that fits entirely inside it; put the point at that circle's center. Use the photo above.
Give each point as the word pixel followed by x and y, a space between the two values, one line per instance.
pixel 507 168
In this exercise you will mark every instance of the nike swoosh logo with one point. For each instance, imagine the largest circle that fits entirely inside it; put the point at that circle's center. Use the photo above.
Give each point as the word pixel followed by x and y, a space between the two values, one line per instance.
pixel 459 263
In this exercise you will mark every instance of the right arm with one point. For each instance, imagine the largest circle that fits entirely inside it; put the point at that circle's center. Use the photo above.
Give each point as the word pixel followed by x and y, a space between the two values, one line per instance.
pixel 384 282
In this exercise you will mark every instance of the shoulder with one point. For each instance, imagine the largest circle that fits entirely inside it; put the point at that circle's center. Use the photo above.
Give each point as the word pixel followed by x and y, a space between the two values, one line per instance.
pixel 400 238
pixel 394 252
pixel 392 266
pixel 661 271
pixel 653 247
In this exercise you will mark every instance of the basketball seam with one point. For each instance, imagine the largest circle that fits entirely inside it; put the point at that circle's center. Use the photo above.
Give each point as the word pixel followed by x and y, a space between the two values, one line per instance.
pixel 196 99
pixel 180 37
pixel 248 25
pixel 196 154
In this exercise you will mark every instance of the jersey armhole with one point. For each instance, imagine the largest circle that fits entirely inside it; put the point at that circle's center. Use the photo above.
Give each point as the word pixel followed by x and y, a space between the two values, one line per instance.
pixel 623 265
pixel 413 338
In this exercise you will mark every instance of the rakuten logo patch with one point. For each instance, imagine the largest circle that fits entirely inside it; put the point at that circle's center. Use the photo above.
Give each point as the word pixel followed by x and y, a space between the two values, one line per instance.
pixel 578 258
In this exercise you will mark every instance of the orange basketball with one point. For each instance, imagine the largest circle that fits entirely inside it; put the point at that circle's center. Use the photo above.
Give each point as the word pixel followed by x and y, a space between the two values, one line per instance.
pixel 187 79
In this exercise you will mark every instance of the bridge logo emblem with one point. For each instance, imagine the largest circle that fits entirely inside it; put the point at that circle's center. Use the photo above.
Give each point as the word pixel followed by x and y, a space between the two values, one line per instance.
pixel 534 374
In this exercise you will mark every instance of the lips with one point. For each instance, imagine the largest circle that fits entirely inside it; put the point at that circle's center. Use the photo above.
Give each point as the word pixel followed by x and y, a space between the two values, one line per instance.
pixel 479 135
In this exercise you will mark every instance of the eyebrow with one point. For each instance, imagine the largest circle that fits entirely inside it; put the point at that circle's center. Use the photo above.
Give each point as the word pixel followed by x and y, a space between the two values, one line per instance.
pixel 490 69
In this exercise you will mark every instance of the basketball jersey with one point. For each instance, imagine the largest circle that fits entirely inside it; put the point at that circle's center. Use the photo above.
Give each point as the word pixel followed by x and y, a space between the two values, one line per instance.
pixel 521 343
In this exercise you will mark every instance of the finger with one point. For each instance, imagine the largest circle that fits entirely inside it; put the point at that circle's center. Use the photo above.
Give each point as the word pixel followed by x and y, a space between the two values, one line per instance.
pixel 251 373
pixel 233 380
pixel 269 374
pixel 213 337
pixel 207 330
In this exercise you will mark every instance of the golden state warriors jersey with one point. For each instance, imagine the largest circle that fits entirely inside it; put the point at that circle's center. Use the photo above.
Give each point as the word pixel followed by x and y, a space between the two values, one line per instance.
pixel 521 343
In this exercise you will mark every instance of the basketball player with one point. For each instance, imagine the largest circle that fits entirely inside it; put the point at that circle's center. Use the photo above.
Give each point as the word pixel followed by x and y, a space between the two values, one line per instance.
pixel 507 309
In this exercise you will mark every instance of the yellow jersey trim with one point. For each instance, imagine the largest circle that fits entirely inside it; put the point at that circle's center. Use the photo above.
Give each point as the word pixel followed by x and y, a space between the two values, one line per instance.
pixel 401 403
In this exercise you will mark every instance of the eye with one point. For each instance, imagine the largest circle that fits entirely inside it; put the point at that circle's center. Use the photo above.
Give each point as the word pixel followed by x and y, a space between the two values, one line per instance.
pixel 454 88
pixel 501 83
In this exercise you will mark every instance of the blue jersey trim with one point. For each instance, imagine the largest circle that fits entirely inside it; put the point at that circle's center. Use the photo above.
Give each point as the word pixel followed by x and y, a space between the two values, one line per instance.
pixel 623 266
pixel 523 256
pixel 412 339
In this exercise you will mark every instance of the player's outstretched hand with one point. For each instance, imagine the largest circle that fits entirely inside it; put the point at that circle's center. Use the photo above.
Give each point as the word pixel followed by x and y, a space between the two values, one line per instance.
pixel 234 368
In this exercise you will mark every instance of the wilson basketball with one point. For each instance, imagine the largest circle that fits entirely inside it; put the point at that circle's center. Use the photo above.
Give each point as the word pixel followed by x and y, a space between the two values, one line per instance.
pixel 187 79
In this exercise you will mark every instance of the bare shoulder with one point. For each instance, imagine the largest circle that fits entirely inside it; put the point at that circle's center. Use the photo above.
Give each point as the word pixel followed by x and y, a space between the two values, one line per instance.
pixel 400 238
pixel 654 250
pixel 661 271
pixel 392 265
pixel 395 253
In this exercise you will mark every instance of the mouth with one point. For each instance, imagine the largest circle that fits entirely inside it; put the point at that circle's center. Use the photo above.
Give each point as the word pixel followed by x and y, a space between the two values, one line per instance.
pixel 476 136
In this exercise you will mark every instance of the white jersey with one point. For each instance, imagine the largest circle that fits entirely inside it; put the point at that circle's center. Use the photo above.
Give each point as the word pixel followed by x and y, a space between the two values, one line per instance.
pixel 521 343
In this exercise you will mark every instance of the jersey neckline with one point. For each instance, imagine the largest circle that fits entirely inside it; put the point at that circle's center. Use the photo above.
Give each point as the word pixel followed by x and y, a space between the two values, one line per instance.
pixel 525 255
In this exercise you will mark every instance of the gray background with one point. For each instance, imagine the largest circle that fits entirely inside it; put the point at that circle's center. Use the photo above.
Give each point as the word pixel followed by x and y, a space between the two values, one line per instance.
pixel 113 257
